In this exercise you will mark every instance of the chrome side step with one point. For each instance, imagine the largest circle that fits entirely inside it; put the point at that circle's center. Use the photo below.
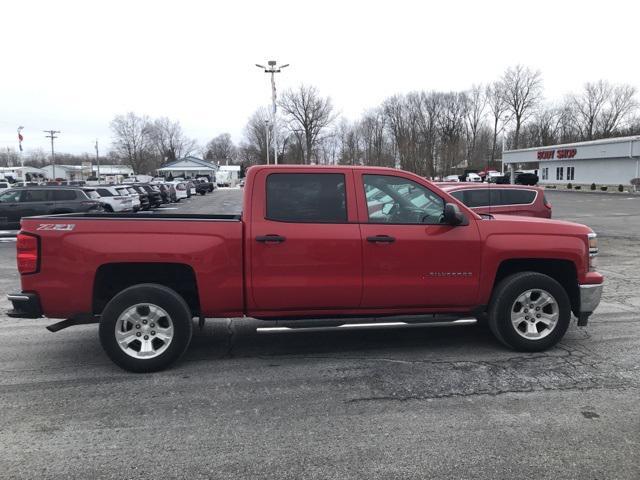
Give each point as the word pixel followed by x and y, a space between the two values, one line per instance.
pixel 367 326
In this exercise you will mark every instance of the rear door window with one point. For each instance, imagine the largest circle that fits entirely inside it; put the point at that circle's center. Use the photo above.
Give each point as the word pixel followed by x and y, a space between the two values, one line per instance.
pixel 103 192
pixel 64 195
pixel 4 185
pixel 306 197
pixel 29 196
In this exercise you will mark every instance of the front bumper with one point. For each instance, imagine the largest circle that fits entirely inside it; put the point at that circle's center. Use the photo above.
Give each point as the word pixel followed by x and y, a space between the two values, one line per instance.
pixel 25 305
pixel 589 300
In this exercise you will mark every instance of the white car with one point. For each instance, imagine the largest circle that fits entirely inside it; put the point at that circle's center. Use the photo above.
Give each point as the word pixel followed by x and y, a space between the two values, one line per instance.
pixel 113 200
pixel 4 186
pixel 473 177
pixel 181 190
pixel 130 192
pixel 452 178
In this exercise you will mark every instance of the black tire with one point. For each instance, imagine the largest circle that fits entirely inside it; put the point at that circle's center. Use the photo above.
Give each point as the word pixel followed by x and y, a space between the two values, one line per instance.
pixel 148 293
pixel 108 208
pixel 202 192
pixel 504 299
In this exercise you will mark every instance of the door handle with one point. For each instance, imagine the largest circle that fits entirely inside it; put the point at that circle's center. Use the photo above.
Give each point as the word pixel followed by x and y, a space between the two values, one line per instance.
pixel 271 238
pixel 381 239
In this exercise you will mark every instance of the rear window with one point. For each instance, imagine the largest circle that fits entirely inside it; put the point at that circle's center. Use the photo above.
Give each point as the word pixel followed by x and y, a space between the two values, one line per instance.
pixel 103 192
pixel 4 185
pixel 132 191
pixel 306 197
pixel 62 195
pixel 516 196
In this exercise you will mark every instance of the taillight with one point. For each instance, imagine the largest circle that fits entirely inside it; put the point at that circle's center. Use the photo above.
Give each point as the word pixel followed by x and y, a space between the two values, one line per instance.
pixel 27 247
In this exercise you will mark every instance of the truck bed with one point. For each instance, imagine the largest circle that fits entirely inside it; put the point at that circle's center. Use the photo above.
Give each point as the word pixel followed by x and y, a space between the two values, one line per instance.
pixel 78 249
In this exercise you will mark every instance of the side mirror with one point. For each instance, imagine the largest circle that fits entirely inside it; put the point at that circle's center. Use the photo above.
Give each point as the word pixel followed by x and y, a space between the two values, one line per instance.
pixel 453 216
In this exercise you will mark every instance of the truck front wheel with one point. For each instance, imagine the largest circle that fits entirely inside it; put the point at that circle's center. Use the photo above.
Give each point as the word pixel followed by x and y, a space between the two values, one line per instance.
pixel 529 312
pixel 145 328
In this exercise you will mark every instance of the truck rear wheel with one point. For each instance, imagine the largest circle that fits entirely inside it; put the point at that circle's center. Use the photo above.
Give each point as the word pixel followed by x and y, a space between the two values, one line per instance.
pixel 145 328
pixel 529 312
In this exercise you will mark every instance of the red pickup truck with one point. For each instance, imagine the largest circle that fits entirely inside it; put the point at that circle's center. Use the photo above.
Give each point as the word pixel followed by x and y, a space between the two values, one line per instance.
pixel 321 243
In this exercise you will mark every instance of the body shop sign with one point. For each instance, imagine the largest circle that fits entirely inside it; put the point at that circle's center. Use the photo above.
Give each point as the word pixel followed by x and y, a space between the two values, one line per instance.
pixel 559 154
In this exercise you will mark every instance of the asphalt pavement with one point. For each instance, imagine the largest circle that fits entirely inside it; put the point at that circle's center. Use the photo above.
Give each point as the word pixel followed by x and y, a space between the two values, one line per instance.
pixel 433 402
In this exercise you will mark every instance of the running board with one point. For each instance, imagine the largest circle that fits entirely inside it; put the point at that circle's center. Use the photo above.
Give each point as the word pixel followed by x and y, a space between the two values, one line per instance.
pixel 82 319
pixel 364 326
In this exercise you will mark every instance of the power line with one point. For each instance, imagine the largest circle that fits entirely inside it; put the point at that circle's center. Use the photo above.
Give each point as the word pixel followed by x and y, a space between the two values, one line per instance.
pixel 52 136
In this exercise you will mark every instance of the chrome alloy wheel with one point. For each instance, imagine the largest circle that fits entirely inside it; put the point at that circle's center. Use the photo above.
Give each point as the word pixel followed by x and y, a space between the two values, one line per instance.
pixel 144 331
pixel 534 314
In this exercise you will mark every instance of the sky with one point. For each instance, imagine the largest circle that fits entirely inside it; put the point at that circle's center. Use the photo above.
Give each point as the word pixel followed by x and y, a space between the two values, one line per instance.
pixel 74 65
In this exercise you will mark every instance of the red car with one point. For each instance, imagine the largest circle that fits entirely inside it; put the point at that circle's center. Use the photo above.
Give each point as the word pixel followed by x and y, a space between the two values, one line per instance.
pixel 313 242
pixel 503 199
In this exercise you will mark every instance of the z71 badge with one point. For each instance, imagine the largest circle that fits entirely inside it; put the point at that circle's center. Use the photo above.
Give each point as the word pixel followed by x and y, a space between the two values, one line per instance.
pixel 59 227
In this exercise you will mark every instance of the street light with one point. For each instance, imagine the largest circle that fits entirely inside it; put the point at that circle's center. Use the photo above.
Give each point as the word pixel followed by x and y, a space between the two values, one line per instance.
pixel 273 69
pixel 266 127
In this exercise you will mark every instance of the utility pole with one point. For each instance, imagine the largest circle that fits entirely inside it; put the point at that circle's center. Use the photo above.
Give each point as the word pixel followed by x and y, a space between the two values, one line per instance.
pixel 273 69
pixel 98 160
pixel 266 123
pixel 52 136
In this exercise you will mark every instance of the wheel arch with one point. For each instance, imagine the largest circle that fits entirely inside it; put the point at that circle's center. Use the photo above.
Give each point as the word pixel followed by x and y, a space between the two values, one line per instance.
pixel 563 271
pixel 112 278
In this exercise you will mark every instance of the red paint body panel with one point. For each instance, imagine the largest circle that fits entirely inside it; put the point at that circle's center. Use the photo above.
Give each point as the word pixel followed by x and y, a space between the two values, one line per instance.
pixel 320 270
pixel 70 259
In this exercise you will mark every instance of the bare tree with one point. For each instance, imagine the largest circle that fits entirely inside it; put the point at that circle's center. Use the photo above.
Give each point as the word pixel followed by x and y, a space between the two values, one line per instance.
pixel 475 114
pixel 375 144
pixel 132 141
pixel 308 112
pixel 169 140
pixel 618 110
pixel 221 149
pixel 255 133
pixel 522 91
pixel 589 105
pixel 497 108
pixel 451 126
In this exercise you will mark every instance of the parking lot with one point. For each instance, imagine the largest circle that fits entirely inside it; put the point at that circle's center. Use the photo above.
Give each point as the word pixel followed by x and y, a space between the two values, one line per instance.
pixel 430 402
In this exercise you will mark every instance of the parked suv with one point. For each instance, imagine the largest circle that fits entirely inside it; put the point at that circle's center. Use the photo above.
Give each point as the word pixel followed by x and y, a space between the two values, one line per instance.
pixel 135 197
pixel 20 202
pixel 113 200
pixel 503 199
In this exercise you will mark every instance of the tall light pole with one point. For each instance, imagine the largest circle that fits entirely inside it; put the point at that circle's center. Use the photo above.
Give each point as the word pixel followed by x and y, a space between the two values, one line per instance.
pixel 52 136
pixel 98 161
pixel 273 69
pixel 266 127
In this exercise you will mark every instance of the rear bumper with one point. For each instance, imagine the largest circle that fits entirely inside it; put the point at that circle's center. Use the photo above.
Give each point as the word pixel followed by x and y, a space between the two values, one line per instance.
pixel 25 305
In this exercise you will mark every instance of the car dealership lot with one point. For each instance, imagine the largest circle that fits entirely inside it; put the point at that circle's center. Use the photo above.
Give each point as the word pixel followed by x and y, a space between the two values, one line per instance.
pixel 414 403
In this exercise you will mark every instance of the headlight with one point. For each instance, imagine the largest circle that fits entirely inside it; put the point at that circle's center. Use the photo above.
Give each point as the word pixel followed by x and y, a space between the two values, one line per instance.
pixel 593 251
